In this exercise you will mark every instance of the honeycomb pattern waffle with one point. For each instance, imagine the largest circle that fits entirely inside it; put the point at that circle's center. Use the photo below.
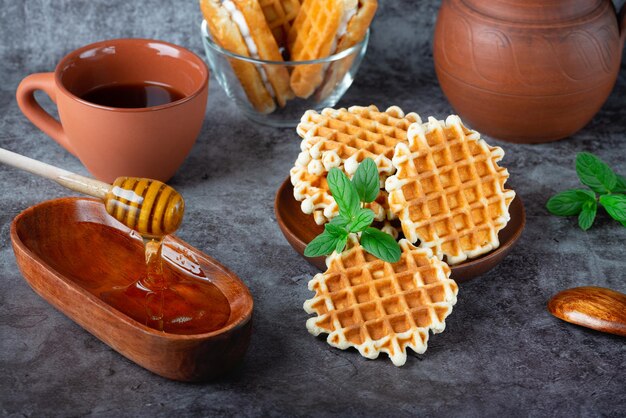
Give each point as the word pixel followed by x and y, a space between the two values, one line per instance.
pixel 375 306
pixel 449 190
pixel 343 138
pixel 280 15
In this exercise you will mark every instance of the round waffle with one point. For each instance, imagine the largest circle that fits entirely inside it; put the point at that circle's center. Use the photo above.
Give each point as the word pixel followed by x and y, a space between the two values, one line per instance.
pixel 448 190
pixel 343 138
pixel 375 306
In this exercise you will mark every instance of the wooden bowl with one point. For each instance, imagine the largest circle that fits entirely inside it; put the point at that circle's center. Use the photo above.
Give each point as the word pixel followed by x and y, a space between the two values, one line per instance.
pixel 69 250
pixel 300 228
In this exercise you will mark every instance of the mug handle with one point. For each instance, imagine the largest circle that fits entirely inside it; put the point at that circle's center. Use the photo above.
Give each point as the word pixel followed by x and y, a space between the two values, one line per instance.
pixel 35 113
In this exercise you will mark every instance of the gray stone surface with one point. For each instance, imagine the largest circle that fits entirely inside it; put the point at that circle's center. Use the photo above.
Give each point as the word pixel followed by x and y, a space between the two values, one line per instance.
pixel 502 354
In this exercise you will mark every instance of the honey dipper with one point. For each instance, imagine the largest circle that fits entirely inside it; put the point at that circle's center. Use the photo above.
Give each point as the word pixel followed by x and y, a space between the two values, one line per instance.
pixel 150 207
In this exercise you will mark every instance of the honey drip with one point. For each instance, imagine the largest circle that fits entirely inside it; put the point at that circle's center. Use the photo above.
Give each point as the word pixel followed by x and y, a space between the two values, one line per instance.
pixel 171 298
pixel 168 297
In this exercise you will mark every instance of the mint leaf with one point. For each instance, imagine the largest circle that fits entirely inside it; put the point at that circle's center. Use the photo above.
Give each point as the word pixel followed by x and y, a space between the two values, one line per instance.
pixel 615 205
pixel 620 184
pixel 362 220
pixel 335 230
pixel 323 244
pixel 341 244
pixel 569 202
pixel 339 231
pixel 381 245
pixel 587 215
pixel 367 181
pixel 344 192
pixel 340 221
pixel 595 173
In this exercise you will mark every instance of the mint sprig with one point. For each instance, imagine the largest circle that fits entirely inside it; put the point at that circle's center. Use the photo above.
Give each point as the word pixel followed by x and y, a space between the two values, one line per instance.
pixel 361 220
pixel 364 187
pixel 600 178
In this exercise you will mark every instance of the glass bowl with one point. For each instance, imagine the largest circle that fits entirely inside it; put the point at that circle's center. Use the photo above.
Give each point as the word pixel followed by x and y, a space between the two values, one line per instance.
pixel 335 73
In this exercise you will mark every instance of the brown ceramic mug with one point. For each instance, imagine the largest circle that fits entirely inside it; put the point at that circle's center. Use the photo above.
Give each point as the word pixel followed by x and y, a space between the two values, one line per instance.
pixel 118 141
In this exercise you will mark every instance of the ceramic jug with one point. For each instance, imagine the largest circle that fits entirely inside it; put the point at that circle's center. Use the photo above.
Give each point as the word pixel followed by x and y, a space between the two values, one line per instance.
pixel 528 70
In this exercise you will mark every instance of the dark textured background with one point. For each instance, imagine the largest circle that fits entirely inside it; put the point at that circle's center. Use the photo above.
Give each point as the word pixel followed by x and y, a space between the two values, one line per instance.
pixel 501 354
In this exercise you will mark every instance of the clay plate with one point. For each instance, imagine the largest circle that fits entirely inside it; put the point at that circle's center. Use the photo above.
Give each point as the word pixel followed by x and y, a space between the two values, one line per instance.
pixel 300 228
pixel 68 249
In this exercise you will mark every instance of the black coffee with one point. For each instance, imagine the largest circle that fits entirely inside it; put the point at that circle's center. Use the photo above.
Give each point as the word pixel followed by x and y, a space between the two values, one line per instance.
pixel 132 95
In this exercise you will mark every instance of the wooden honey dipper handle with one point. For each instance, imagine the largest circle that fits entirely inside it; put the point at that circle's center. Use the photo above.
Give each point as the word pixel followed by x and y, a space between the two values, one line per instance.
pixel 148 206
pixel 65 178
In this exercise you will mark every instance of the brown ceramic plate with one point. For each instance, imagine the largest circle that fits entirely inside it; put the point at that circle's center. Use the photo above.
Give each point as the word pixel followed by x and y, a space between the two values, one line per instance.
pixel 67 248
pixel 300 228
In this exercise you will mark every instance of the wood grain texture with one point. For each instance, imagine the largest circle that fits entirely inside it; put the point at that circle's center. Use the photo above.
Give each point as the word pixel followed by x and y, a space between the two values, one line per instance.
pixel 69 249
pixel 65 178
pixel 299 229
pixel 597 308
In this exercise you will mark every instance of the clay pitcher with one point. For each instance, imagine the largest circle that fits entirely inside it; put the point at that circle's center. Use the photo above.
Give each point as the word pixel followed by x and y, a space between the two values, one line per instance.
pixel 528 70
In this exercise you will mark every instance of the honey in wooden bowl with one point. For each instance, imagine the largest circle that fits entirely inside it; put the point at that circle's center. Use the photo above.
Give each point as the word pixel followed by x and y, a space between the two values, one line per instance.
pixel 70 251
pixel 164 296
pixel 167 297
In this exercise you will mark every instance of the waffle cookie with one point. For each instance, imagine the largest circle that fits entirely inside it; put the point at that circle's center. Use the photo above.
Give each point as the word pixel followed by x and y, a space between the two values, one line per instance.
pixel 375 306
pixel 343 138
pixel 449 190
pixel 321 29
pixel 355 33
pixel 240 27
pixel 279 15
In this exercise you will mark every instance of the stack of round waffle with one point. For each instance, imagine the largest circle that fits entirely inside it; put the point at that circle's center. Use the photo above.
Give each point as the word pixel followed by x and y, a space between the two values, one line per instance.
pixel 440 179
pixel 442 182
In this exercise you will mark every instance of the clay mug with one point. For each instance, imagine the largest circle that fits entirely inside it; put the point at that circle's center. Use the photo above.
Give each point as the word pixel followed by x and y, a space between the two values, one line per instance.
pixel 528 70
pixel 112 141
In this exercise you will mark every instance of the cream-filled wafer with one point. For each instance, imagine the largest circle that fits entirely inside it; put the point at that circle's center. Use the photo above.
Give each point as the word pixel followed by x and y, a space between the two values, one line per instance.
pixel 279 15
pixel 240 27
pixel 355 33
pixel 323 28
